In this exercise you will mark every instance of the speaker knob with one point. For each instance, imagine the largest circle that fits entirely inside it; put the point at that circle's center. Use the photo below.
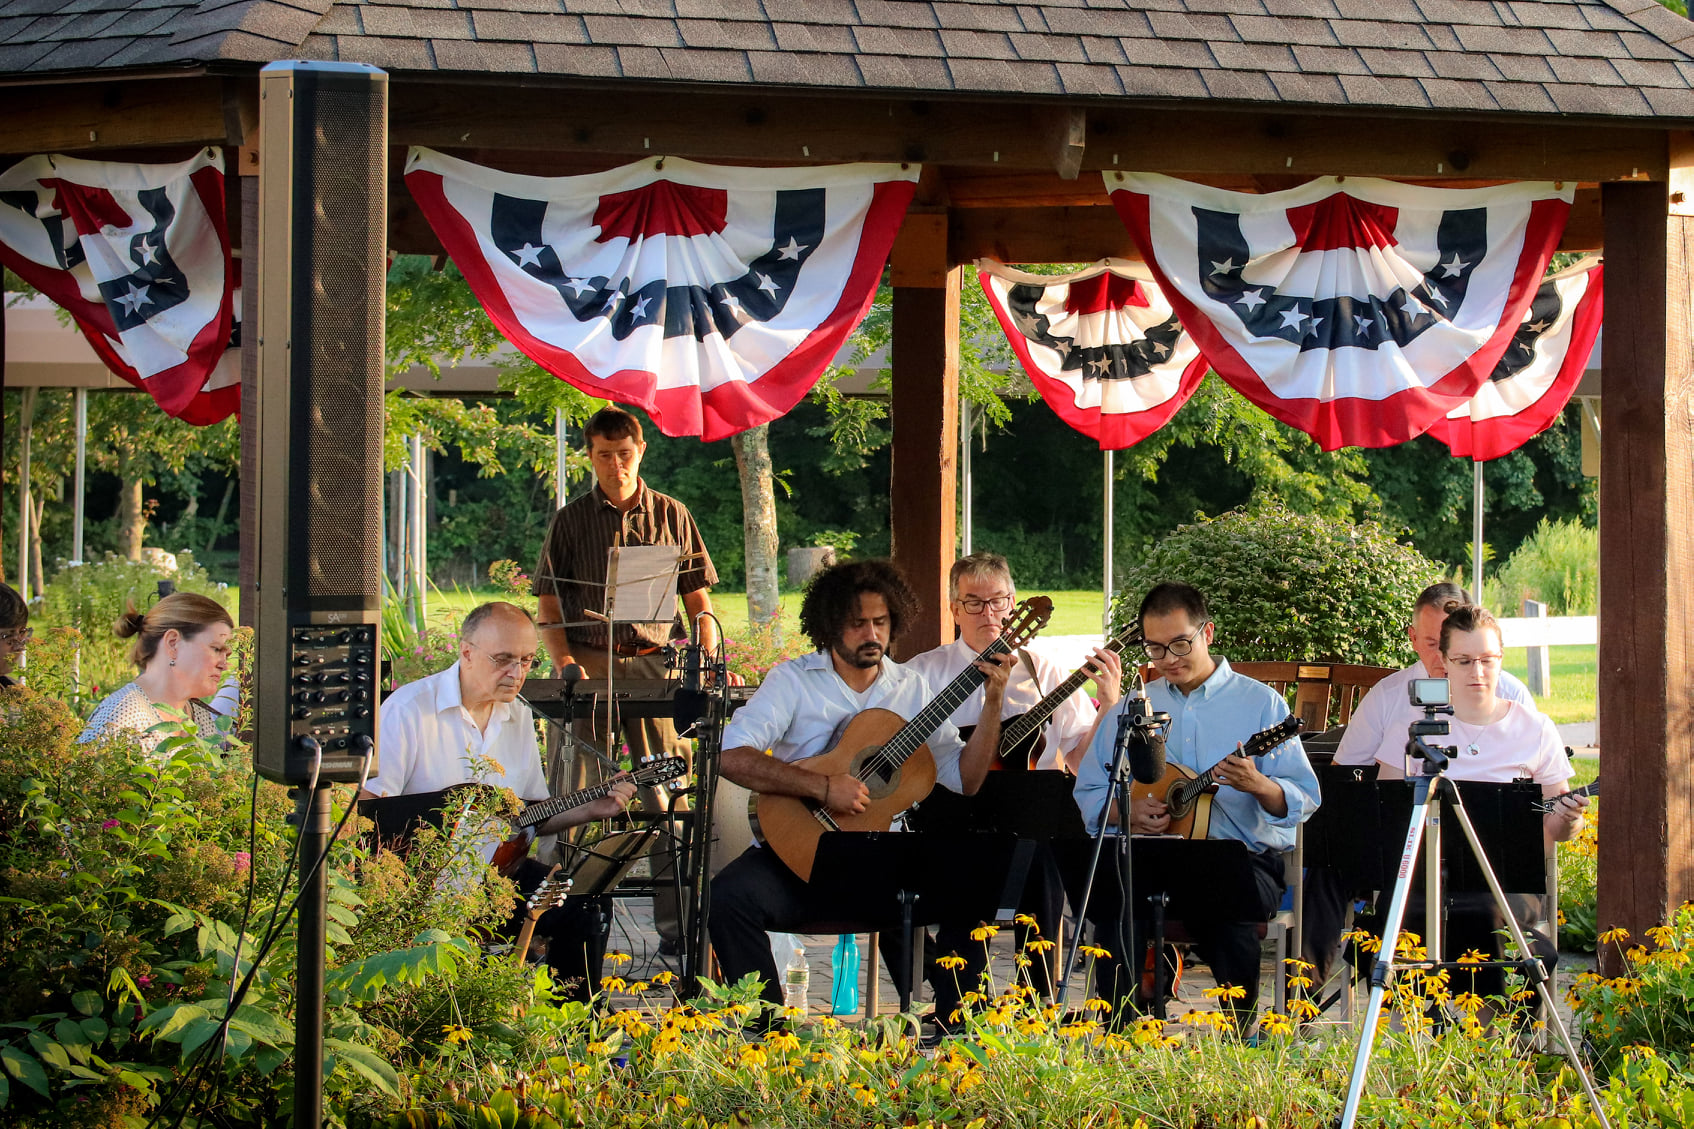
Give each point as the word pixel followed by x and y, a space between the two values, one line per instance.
pixel 342 677
pixel 302 660
pixel 361 695
pixel 361 711
pixel 301 713
pixel 319 697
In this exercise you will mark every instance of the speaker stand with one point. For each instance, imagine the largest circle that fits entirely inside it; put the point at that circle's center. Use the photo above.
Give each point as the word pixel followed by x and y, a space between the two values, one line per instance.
pixel 312 816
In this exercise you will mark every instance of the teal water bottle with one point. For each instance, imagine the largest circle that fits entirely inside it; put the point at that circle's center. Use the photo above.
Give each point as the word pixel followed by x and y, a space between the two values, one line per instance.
pixel 844 971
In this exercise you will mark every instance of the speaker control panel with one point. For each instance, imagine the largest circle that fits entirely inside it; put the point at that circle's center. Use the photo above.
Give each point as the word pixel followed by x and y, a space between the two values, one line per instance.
pixel 332 687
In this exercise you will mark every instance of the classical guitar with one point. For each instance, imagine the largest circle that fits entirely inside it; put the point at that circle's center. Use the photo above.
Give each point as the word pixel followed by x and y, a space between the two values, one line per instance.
pixel 550 894
pixel 885 751
pixel 1547 805
pixel 513 851
pixel 1023 741
pixel 1188 794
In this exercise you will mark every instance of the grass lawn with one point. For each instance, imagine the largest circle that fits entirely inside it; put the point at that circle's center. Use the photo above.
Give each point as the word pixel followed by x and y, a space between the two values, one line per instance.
pixel 1575 669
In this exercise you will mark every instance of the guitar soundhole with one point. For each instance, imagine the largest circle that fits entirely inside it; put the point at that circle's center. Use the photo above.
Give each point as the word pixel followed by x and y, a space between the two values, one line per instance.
pixel 879 776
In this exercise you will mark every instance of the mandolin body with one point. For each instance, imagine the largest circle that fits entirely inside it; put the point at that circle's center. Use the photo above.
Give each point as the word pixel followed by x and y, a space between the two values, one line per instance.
pixel 790 826
pixel 1189 800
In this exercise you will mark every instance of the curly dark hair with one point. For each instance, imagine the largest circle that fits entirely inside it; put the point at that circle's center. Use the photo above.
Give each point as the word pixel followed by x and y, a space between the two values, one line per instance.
pixel 833 596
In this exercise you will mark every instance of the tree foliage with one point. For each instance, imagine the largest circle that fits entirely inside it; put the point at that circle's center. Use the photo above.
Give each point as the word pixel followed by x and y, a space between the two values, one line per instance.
pixel 1289 586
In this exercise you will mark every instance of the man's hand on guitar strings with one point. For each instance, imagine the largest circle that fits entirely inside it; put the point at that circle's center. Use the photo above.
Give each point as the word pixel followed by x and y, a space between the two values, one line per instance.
pixel 999 671
pixel 1108 677
pixel 613 803
pixel 1242 773
pixel 845 794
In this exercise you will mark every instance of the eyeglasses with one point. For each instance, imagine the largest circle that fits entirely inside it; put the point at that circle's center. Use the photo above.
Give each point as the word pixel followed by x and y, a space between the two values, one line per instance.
pixel 18 638
pixel 975 605
pixel 521 663
pixel 1176 648
pixel 1465 662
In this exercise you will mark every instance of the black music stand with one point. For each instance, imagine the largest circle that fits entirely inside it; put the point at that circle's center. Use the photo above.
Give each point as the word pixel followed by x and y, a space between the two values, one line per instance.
pixel 1505 819
pixel 887 881
pixel 598 867
pixel 1188 879
pixel 1036 805
pixel 396 819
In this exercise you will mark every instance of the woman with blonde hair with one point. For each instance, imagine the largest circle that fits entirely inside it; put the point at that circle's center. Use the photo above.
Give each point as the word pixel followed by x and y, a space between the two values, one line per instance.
pixel 181 650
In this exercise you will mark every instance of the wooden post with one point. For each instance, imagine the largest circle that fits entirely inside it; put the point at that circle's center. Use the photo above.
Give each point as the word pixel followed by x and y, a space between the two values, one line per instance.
pixel 1646 865
pixel 1540 680
pixel 926 424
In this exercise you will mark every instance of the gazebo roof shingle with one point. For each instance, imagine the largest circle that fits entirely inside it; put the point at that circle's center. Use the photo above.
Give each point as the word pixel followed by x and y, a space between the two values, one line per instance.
pixel 1605 58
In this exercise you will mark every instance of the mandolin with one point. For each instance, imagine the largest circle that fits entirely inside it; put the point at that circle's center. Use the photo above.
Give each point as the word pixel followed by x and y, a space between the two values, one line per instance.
pixel 1022 740
pixel 513 851
pixel 1547 805
pixel 550 894
pixel 1188 794
pixel 885 751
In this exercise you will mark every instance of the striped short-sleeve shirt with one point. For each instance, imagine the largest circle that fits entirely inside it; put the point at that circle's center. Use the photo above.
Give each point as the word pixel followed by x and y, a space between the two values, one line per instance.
pixel 575 552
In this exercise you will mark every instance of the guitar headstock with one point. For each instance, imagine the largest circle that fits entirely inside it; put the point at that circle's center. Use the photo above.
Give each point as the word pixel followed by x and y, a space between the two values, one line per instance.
pixel 1265 740
pixel 1128 637
pixel 1025 622
pixel 550 894
pixel 659 771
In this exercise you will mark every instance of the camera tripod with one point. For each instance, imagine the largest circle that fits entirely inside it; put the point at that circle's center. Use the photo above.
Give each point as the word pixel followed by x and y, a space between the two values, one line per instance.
pixel 1430 792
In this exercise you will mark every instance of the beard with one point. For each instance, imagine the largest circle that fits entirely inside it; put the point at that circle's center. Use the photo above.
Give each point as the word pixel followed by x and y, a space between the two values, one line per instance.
pixel 863 657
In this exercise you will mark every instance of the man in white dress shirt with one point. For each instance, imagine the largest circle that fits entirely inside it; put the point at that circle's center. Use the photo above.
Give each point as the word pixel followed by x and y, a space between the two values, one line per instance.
pixel 851 613
pixel 466 726
pixel 982 594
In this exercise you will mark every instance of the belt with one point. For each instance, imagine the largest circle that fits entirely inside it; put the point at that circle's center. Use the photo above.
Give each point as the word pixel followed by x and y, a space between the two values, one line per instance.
pixel 634 650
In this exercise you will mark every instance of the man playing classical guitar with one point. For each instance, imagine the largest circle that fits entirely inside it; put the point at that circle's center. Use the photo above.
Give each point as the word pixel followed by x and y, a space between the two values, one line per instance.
pixel 1260 802
pixel 851 613
pixel 466 726
pixel 982 596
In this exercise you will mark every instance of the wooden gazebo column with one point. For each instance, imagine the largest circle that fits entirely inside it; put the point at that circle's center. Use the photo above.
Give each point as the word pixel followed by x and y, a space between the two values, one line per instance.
pixel 1646 865
pixel 923 493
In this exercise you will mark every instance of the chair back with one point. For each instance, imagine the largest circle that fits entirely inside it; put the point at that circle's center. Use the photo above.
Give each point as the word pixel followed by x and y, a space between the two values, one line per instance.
pixel 1320 694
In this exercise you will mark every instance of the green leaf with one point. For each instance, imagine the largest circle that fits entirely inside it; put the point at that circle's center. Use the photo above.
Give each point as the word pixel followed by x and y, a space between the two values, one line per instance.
pixel 51 1053
pixel 24 1068
pixel 368 1063
pixel 70 1036
pixel 88 1002
pixel 167 1023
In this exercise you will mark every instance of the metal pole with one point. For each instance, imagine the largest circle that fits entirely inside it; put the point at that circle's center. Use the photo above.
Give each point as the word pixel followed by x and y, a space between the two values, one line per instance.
pixel 312 812
pixel 420 540
pixel 561 448
pixel 1476 534
pixel 26 416
pixel 77 477
pixel 1106 541
pixel 965 479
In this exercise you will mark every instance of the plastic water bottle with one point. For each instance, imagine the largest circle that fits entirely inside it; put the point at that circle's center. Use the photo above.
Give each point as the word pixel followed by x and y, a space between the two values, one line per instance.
pixel 796 976
pixel 844 969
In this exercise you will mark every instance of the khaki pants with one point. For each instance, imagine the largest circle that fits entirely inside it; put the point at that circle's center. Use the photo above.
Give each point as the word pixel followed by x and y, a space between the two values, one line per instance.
pixel 647 739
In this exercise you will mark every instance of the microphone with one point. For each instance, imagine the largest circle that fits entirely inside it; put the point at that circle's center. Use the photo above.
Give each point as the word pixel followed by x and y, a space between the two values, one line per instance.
pixel 689 704
pixel 1146 746
pixel 570 676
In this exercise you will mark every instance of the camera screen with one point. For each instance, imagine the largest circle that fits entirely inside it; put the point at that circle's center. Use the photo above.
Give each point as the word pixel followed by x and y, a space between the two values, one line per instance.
pixel 1429 692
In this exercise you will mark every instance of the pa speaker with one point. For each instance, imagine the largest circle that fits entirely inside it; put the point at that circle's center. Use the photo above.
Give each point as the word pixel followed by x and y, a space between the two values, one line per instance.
pixel 323 204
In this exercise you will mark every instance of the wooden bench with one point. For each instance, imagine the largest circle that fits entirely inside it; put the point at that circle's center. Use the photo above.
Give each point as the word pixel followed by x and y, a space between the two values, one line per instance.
pixel 1321 695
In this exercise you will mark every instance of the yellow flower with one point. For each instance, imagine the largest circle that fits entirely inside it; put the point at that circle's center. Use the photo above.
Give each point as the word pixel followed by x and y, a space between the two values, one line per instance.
pixel 1662 935
pixel 612 984
pixel 1273 1024
pixel 1473 956
pixel 1637 954
pixel 863 1094
pixel 678 1100
pixel 1025 919
pixel 640 986
pixel 664 977
pixel 1302 1008
pixel 1040 946
pixel 1612 936
pixel 453 1033
pixel 1095 952
pixel 597 1048
pixel 793 1013
pixel 984 932
pixel 1079 1030
pixel 1097 1004
pixel 1468 1002
pixel 753 1055
pixel 1226 992
pixel 783 1040
pixel 951 962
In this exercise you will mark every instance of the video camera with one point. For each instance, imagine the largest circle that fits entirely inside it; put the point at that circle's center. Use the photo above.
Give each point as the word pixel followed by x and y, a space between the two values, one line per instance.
pixel 1434 697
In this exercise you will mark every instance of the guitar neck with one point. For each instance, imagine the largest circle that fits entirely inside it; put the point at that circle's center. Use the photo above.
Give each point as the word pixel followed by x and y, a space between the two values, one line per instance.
pixel 1037 717
pixel 543 810
pixel 915 732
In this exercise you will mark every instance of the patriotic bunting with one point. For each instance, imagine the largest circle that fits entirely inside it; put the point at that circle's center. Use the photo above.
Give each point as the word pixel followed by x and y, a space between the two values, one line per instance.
pixel 1359 311
pixel 139 257
pixel 711 297
pixel 1102 345
pixel 1538 372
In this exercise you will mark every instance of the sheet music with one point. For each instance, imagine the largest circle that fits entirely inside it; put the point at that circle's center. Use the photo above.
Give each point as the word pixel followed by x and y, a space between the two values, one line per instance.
pixel 641 583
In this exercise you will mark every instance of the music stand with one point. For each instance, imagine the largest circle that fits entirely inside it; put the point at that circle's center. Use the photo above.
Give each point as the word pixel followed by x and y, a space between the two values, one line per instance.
pixel 597 869
pixel 1036 805
pixel 1190 880
pixel 884 881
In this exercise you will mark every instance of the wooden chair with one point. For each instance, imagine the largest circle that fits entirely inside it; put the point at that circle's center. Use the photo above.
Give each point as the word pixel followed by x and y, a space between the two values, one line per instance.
pixel 1320 694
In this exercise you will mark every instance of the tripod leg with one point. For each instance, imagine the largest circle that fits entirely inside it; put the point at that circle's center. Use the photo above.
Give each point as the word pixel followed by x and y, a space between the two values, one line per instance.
pixel 1532 964
pixel 1382 972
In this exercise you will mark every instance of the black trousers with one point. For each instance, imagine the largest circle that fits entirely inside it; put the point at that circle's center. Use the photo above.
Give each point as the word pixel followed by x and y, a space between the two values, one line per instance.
pixel 1043 898
pixel 1228 943
pixel 756 895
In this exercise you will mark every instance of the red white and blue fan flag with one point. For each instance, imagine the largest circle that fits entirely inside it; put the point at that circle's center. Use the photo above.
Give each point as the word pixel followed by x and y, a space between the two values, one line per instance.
pixel 1538 372
pixel 139 257
pixel 1102 345
pixel 711 297
pixel 1359 311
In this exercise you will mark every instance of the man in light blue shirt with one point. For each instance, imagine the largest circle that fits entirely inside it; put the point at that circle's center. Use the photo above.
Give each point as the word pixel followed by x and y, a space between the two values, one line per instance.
pixel 1261 801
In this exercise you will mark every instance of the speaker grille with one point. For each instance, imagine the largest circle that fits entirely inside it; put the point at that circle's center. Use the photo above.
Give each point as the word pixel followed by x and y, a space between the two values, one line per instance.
pixel 340 264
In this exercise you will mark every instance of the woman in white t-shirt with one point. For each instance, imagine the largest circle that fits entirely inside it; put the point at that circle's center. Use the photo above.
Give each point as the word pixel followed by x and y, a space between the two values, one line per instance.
pixel 1499 741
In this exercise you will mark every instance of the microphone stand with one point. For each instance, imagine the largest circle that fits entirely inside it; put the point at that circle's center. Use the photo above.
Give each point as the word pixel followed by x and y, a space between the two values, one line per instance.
pixel 1117 774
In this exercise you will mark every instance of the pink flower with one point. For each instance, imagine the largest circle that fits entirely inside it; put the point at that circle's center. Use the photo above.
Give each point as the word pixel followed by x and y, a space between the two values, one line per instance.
pixel 242 861
pixel 108 825
pixel 144 980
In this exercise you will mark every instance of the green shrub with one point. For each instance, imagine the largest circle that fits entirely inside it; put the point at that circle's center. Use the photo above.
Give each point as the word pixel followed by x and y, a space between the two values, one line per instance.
pixel 1559 565
pixel 1648 1005
pixel 1290 587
